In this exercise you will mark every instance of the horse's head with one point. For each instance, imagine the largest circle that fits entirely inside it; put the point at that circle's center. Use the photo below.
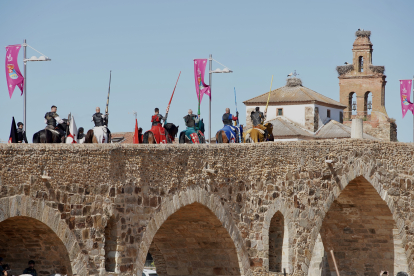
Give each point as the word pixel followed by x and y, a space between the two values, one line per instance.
pixel 172 129
pixel 269 127
pixel 201 126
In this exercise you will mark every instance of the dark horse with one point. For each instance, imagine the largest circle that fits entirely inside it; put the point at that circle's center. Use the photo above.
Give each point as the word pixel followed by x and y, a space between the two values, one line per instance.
pixel 171 131
pixel 47 136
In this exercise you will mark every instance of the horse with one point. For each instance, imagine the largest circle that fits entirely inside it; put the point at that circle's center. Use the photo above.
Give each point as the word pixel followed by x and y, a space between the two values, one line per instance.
pixel 228 134
pixel 55 136
pixel 171 131
pixel 199 129
pixel 91 137
pixel 257 135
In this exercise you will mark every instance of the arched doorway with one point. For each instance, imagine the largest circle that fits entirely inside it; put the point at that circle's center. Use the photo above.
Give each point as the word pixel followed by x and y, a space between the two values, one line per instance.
pixel 193 241
pixel 361 231
pixel 24 238
pixel 276 237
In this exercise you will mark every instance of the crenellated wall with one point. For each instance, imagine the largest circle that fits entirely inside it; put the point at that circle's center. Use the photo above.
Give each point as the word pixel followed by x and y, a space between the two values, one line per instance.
pixel 209 209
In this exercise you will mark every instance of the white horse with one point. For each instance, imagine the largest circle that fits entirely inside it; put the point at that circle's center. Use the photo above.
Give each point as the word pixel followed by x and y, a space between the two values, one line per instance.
pixel 101 134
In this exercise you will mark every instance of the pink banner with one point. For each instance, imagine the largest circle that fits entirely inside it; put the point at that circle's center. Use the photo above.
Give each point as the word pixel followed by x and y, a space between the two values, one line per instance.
pixel 201 87
pixel 405 92
pixel 13 75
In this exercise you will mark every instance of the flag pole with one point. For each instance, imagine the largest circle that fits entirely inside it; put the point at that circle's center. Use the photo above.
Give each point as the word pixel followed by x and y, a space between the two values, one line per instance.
pixel 24 85
pixel 210 66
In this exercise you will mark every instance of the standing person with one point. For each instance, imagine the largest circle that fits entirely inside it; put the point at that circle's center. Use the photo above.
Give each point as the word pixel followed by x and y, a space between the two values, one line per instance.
pixel 191 120
pixel 21 134
pixel 30 270
pixel 157 129
pixel 52 118
pixel 140 136
pixel 81 135
pixel 1 267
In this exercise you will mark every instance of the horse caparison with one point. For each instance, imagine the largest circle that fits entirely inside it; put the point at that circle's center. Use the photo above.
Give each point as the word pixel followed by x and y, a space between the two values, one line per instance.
pixel 90 137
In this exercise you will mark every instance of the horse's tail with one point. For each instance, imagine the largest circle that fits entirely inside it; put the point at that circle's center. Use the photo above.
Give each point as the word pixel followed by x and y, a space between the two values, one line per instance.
pixel 220 136
pixel 36 137
pixel 89 136
pixel 145 138
pixel 182 137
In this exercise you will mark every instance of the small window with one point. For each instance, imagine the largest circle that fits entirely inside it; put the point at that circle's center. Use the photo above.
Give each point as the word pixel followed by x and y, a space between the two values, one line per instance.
pixel 341 117
pixel 280 112
pixel 328 113
pixel 361 64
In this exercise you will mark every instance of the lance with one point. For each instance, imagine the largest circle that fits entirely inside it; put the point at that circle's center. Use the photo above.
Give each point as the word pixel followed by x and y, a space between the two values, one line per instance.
pixel 168 107
pixel 268 98
pixel 107 100
pixel 235 101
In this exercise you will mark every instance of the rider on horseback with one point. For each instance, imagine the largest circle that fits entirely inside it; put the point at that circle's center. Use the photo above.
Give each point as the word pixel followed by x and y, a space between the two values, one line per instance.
pixel 101 131
pixel 227 117
pixel 258 119
pixel 191 120
pixel 157 129
pixel 52 119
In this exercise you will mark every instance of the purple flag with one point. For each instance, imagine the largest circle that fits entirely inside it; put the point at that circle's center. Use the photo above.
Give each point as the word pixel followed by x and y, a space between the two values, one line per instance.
pixel 13 75
pixel 201 87
pixel 405 92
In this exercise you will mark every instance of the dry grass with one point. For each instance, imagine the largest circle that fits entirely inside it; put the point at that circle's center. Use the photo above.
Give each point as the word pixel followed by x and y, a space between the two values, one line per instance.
pixel 363 33
pixel 343 69
pixel 377 69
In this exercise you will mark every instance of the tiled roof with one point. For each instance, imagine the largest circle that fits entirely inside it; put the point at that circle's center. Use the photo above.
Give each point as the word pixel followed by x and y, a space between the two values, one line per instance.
pixel 295 94
pixel 283 127
pixel 128 137
pixel 334 129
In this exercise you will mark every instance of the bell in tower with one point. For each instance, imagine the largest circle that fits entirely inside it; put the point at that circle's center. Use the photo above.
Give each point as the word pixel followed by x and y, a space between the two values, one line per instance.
pixel 360 81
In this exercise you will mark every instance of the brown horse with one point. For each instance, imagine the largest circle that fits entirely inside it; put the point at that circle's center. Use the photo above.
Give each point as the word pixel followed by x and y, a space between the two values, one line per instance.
pixel 171 131
pixel 256 135
pixel 221 137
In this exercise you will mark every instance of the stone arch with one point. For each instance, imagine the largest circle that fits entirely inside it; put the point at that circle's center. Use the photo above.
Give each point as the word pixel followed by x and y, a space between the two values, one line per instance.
pixel 278 208
pixel 367 99
pixel 17 209
pixel 349 110
pixel 211 204
pixel 364 172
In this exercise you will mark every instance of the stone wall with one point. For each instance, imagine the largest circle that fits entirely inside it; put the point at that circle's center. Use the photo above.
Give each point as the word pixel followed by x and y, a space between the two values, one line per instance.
pixel 187 204
pixel 386 131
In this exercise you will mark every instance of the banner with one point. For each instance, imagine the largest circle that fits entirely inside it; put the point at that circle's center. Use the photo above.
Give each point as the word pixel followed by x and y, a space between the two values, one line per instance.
pixel 136 133
pixel 73 132
pixel 13 132
pixel 405 92
pixel 13 75
pixel 201 87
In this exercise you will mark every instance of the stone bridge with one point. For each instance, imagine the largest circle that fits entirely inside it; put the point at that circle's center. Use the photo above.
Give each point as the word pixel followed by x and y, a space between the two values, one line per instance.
pixel 251 209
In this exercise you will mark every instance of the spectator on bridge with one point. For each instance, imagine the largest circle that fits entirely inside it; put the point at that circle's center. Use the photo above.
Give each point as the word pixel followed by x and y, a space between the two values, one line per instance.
pixel 30 270
pixel 21 134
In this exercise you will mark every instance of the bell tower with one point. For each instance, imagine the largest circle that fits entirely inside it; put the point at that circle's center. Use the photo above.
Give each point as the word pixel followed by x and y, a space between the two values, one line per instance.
pixel 360 79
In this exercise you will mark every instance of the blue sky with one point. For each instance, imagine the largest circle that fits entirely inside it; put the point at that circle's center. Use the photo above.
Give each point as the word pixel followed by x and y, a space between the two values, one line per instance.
pixel 147 43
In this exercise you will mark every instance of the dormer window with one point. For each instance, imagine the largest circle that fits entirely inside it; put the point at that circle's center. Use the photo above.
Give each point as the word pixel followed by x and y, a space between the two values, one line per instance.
pixel 361 64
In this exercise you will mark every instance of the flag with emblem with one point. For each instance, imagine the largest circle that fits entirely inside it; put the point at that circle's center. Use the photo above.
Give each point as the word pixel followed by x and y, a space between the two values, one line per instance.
pixel 405 93
pixel 201 87
pixel 13 75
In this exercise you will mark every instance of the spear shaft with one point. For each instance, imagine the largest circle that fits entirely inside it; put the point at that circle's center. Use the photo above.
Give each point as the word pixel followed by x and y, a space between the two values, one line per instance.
pixel 268 98
pixel 107 100
pixel 168 107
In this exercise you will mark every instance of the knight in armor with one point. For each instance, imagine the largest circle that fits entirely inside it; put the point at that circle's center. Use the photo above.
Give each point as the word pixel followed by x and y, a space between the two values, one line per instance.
pixel 101 131
pixel 52 119
pixel 258 119
pixel 228 118
pixel 98 118
pixel 21 134
pixel 191 122
pixel 157 128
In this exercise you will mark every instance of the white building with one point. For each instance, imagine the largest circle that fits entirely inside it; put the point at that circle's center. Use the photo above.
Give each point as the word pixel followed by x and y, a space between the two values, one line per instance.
pixel 299 113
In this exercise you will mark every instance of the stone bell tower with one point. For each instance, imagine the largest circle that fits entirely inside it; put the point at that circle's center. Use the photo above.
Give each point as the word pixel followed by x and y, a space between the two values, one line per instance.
pixel 357 81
